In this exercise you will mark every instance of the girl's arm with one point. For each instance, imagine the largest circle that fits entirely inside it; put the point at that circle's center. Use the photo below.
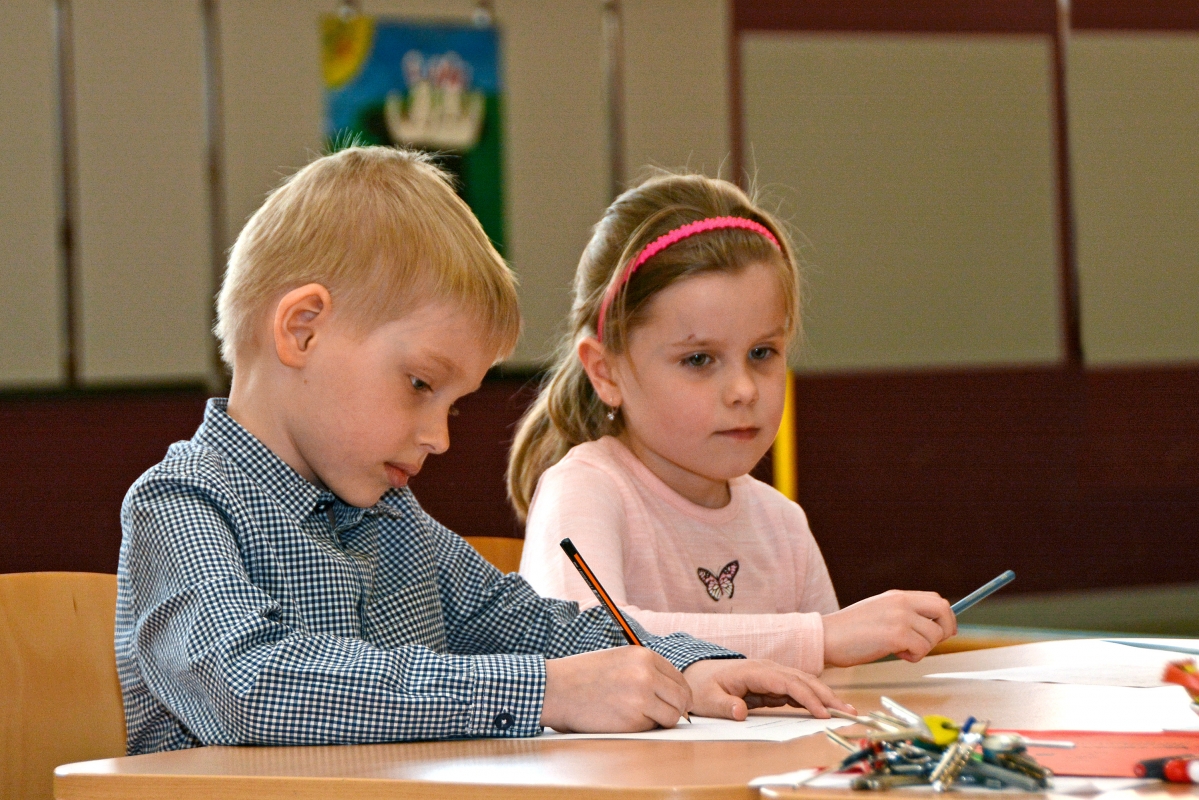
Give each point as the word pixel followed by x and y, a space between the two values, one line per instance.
pixel 794 640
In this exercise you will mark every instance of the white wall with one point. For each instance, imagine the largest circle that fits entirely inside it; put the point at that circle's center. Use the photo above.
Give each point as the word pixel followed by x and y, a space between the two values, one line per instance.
pixel 1134 123
pixel 144 280
pixel 32 324
pixel 677 85
pixel 919 171
pixel 554 137
pixel 555 134
pixel 919 168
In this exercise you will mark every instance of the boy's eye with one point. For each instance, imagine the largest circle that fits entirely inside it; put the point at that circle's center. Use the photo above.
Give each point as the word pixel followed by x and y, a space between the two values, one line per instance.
pixel 419 385
pixel 698 360
pixel 761 353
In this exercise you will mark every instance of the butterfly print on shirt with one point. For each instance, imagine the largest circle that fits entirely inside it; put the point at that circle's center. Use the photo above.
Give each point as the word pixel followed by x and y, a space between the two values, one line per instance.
pixel 721 584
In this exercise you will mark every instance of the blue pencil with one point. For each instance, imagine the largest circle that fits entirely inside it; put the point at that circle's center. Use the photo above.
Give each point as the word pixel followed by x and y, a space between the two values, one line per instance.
pixel 983 592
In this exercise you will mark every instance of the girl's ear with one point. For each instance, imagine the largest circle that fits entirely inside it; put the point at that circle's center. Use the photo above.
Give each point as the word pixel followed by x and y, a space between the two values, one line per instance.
pixel 597 363
pixel 299 317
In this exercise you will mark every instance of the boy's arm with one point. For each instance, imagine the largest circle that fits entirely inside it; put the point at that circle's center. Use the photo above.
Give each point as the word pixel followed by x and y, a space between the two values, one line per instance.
pixel 235 666
pixel 488 612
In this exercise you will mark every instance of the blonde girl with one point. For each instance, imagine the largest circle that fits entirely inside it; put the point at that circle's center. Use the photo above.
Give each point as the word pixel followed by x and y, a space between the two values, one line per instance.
pixel 666 392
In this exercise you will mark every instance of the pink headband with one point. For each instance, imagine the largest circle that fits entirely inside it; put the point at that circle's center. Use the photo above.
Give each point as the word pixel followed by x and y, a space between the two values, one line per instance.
pixel 666 240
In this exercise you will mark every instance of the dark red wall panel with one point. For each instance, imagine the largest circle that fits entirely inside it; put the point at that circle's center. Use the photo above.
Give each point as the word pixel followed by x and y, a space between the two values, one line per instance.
pixel 936 480
pixel 1138 15
pixel 65 465
pixel 943 480
pixel 890 16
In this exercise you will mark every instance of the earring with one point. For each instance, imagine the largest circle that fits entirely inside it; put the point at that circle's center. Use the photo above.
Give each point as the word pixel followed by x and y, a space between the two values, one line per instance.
pixel 611 415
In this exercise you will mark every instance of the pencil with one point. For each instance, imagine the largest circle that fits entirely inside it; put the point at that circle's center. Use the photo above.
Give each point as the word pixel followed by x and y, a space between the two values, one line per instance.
pixel 597 589
pixel 983 592
pixel 589 578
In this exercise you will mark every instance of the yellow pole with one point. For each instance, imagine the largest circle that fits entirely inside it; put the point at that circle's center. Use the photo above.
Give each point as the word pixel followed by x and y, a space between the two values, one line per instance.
pixel 786 466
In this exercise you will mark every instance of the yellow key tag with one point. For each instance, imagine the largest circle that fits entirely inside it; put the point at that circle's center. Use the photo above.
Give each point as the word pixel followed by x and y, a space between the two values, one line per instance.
pixel 944 730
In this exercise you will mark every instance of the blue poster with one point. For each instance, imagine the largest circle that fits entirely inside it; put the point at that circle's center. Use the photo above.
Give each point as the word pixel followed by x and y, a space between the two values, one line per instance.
pixel 432 86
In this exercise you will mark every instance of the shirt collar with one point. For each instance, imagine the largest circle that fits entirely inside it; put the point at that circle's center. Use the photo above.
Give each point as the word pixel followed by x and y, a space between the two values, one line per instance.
pixel 296 495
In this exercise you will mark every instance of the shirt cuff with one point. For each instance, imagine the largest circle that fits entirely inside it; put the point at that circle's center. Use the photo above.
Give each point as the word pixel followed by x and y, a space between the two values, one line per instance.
pixel 508 695
pixel 682 650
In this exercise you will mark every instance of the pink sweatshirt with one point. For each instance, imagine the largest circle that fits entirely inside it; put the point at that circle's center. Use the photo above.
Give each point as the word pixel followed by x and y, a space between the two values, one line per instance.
pixel 748 576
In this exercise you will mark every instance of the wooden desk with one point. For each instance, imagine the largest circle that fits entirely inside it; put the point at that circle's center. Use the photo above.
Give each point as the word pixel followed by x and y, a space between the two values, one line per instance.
pixel 534 768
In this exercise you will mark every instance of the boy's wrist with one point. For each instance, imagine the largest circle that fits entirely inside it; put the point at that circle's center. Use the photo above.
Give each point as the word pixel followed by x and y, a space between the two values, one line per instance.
pixel 682 650
pixel 507 697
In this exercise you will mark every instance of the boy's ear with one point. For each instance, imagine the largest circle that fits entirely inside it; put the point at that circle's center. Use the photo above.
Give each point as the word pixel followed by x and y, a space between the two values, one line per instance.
pixel 597 363
pixel 299 317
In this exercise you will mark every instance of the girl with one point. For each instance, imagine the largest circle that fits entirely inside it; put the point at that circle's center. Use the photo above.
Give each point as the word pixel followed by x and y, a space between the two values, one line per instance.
pixel 666 392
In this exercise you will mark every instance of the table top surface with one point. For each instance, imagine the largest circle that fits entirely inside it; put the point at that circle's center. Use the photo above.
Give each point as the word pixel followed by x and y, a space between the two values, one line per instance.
pixel 604 768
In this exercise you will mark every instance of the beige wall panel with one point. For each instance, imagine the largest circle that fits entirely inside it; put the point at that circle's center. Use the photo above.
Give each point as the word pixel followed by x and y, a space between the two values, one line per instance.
pixel 920 169
pixel 554 128
pixel 144 266
pixel 32 326
pixel 676 85
pixel 1134 130
pixel 272 97
pixel 557 154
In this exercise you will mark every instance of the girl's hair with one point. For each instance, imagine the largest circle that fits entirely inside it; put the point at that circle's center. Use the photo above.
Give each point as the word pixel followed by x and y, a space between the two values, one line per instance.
pixel 568 412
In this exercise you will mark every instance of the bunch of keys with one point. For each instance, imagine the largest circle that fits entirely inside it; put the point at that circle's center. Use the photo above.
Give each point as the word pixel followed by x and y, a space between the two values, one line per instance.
pixel 903 748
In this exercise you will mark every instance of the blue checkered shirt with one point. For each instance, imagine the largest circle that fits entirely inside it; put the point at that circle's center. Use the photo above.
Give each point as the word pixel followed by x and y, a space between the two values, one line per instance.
pixel 254 608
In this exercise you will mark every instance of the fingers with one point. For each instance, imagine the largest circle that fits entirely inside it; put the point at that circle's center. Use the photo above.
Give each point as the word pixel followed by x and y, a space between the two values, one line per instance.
pixel 670 694
pixel 771 680
pixel 924 635
pixel 666 669
pixel 661 713
pixel 935 607
pixel 813 695
pixel 621 689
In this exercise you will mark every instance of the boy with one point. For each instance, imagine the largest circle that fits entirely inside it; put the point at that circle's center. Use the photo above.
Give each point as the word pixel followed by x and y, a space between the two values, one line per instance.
pixel 279 584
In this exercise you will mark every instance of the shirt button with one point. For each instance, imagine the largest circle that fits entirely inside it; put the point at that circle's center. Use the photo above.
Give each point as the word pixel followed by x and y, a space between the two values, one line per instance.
pixel 503 721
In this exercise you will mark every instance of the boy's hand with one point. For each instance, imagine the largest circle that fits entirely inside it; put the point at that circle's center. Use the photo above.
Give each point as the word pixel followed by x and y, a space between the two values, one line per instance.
pixel 613 691
pixel 730 687
pixel 908 624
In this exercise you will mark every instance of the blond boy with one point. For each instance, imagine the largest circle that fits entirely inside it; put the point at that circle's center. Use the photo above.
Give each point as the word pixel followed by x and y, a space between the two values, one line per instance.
pixel 278 582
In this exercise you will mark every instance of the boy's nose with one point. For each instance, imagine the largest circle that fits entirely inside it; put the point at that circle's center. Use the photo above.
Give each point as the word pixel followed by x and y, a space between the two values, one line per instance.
pixel 435 437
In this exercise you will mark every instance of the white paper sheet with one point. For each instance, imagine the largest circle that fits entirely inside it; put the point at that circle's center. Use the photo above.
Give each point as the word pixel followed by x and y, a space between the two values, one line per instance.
pixel 1142 676
pixel 1061 784
pixel 1187 646
pixel 707 729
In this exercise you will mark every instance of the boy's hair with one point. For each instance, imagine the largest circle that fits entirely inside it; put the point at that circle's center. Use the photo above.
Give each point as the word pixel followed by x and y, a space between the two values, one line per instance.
pixel 568 412
pixel 379 227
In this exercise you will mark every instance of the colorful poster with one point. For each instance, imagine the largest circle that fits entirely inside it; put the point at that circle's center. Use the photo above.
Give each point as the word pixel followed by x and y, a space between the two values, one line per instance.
pixel 435 87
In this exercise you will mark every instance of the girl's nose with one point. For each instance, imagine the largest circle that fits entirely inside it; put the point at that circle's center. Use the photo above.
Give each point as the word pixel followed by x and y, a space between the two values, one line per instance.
pixel 743 390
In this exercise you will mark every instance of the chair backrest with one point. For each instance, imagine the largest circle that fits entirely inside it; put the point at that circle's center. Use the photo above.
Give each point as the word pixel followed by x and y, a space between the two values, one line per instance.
pixel 502 551
pixel 60 700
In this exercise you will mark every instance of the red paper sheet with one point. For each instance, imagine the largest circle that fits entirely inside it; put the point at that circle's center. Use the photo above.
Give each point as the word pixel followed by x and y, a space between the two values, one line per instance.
pixel 1110 755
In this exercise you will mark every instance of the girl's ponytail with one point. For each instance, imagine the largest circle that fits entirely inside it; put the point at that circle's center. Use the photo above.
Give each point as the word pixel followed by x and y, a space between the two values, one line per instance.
pixel 567 412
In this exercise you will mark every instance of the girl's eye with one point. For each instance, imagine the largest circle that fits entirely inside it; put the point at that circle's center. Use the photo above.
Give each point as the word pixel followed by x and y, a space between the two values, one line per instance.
pixel 419 385
pixel 761 353
pixel 698 360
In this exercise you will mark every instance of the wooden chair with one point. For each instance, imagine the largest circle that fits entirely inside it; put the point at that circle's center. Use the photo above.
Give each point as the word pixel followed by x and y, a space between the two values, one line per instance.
pixel 502 551
pixel 60 700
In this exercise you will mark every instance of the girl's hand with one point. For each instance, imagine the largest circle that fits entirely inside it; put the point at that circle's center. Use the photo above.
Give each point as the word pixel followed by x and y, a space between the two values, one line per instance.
pixel 613 691
pixel 908 624
pixel 730 687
